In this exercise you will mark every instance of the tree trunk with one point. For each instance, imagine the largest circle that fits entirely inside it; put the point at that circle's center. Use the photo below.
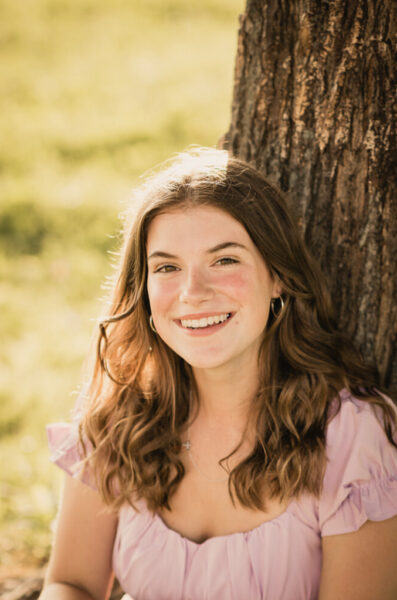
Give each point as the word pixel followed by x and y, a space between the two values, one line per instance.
pixel 313 110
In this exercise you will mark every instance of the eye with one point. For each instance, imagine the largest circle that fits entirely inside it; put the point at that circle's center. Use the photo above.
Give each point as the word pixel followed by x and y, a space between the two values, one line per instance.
pixel 165 269
pixel 227 260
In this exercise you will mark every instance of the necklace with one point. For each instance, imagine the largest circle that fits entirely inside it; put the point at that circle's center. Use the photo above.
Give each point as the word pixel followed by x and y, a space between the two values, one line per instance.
pixel 188 447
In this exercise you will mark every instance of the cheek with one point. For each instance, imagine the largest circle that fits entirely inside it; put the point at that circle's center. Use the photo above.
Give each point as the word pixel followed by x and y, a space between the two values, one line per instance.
pixel 252 291
pixel 160 293
pixel 237 285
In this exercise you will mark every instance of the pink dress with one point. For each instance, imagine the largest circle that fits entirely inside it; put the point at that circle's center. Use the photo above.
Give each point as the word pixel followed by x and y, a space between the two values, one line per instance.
pixel 278 560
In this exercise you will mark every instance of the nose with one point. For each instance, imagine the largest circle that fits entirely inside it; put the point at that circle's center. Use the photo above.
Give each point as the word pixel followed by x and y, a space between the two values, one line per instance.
pixel 195 287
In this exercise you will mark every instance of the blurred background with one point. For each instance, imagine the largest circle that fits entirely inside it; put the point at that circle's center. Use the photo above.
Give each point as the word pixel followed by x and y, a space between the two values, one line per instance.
pixel 92 94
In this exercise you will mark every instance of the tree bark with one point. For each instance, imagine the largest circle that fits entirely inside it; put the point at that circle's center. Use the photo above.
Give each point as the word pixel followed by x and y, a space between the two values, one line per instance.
pixel 314 109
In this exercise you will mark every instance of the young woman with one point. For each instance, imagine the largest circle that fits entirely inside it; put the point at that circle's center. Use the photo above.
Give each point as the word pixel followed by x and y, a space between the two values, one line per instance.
pixel 231 443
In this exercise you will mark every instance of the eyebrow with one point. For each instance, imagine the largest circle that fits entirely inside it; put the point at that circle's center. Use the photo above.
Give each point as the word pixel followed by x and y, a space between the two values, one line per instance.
pixel 217 248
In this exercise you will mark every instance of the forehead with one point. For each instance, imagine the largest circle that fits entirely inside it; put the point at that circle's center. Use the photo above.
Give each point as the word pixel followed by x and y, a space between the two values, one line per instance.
pixel 199 226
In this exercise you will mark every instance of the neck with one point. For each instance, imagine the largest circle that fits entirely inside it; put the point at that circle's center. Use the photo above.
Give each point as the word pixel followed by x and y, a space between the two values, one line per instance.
pixel 225 395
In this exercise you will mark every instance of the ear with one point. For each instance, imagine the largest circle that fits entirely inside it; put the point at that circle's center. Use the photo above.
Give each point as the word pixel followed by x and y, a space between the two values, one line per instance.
pixel 277 287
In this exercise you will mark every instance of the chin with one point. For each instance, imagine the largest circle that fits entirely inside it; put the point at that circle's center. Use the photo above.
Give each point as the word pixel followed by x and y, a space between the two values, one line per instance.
pixel 205 365
pixel 201 358
pixel 204 362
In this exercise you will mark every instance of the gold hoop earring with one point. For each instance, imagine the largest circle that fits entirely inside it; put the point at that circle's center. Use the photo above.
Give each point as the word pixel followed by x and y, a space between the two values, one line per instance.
pixel 152 327
pixel 272 303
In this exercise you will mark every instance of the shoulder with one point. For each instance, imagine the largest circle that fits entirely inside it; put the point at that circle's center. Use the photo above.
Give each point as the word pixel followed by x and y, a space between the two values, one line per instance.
pixel 360 480
pixel 356 423
pixel 357 429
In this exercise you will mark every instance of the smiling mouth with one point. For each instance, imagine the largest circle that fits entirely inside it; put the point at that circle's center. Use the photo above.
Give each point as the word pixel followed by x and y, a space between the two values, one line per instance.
pixel 205 322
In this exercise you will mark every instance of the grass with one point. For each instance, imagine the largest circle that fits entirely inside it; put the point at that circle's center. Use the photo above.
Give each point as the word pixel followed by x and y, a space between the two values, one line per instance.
pixel 93 94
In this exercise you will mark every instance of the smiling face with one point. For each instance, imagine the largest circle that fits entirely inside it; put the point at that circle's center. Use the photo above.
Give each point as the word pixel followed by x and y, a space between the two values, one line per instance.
pixel 209 287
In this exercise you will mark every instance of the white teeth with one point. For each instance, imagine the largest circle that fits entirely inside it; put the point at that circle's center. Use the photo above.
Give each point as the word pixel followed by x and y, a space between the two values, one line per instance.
pixel 205 322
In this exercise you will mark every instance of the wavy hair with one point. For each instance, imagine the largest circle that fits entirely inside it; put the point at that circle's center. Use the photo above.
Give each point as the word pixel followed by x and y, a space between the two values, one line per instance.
pixel 138 400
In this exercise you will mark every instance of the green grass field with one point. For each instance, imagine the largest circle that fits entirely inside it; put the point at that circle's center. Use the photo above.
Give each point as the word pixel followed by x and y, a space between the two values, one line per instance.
pixel 92 94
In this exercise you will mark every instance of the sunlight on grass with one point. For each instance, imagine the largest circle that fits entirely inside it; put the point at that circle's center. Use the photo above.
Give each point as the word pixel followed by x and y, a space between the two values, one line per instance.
pixel 93 94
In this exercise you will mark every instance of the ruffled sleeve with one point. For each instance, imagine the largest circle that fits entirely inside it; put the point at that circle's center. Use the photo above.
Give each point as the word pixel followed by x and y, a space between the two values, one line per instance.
pixel 66 450
pixel 360 481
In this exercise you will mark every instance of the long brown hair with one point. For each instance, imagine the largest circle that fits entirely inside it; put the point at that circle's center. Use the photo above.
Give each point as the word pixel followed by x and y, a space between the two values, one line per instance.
pixel 138 406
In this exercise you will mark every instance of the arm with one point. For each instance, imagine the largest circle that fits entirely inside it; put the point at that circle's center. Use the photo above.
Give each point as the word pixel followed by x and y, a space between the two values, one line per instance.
pixel 361 565
pixel 80 566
